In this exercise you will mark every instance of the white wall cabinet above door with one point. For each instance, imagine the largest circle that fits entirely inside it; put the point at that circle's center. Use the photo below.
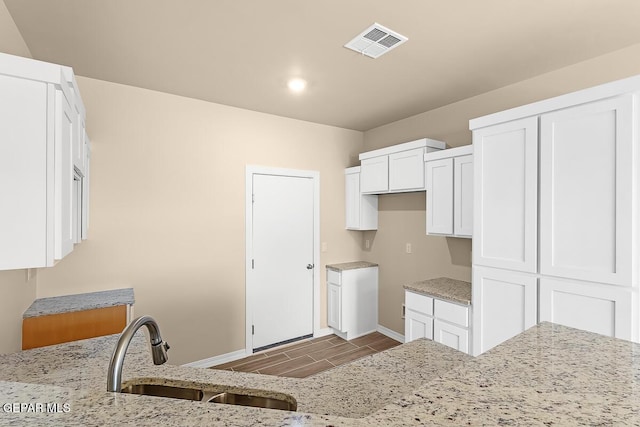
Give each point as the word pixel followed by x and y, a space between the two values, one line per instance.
pixel 586 186
pixel 40 210
pixel 396 169
pixel 505 164
pixel 361 210
pixel 449 184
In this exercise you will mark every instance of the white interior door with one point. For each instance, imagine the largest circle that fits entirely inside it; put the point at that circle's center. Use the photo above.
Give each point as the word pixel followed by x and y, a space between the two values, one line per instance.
pixel 281 277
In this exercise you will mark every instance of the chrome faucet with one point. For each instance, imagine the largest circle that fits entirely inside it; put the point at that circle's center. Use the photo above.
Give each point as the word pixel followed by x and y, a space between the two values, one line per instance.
pixel 158 350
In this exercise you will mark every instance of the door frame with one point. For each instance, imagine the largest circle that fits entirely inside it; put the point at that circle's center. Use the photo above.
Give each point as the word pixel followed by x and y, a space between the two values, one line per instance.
pixel 297 173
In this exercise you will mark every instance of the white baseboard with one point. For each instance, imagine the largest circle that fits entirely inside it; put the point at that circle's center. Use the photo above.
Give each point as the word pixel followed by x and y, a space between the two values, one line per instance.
pixel 323 332
pixel 217 360
pixel 391 334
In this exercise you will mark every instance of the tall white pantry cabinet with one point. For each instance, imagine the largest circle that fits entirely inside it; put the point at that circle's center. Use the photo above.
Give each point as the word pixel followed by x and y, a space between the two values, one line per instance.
pixel 556 219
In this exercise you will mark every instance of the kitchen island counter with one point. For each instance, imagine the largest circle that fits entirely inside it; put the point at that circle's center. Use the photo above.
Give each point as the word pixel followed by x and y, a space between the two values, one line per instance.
pixel 549 374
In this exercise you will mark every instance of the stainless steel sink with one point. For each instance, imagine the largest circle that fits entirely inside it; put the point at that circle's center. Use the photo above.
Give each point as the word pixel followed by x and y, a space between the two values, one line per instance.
pixel 255 401
pixel 162 390
pixel 213 394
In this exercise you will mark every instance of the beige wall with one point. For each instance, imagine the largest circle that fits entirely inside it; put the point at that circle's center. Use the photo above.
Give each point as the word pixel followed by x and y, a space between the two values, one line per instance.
pixel 167 207
pixel 16 293
pixel 402 217
pixel 10 39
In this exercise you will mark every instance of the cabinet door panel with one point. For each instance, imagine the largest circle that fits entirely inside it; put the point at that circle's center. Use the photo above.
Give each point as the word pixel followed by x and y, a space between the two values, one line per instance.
pixel 334 306
pixel 406 170
pixel 504 304
pixel 417 325
pixel 463 196
pixel 23 172
pixel 352 201
pixel 451 335
pixel 63 222
pixel 439 177
pixel 374 175
pixel 586 180
pixel 505 195
pixel 602 309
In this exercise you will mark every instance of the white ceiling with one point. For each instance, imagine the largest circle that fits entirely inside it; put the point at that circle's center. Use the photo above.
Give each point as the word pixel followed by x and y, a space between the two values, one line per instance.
pixel 242 52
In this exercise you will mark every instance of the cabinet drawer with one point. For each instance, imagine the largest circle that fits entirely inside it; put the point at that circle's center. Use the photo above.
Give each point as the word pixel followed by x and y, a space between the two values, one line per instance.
pixel 420 303
pixel 334 277
pixel 450 312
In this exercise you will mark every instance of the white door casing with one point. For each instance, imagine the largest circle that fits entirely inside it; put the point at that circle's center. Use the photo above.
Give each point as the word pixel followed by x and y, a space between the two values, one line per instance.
pixel 282 237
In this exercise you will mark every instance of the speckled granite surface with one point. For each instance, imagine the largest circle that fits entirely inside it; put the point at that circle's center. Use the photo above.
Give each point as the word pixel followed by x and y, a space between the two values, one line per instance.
pixel 355 390
pixel 80 302
pixel 443 288
pixel 351 265
pixel 549 375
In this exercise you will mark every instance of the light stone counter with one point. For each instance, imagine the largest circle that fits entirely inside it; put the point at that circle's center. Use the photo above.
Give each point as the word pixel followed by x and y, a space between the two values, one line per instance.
pixel 80 302
pixel 549 375
pixel 351 265
pixel 443 288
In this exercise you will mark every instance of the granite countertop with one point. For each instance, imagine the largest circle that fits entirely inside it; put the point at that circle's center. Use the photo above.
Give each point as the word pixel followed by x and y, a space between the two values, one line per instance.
pixel 80 302
pixel 351 265
pixel 548 375
pixel 443 288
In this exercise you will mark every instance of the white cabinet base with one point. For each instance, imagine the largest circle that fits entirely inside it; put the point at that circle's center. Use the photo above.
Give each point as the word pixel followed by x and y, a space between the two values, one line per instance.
pixel 505 304
pixel 601 309
pixel 352 301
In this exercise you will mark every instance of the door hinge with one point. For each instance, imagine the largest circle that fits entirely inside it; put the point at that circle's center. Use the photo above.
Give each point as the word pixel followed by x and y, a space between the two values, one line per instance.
pixel 253 198
pixel 253 329
pixel 253 264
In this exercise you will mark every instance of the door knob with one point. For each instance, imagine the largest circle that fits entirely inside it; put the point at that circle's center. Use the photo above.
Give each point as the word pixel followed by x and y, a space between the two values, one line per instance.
pixel 309 266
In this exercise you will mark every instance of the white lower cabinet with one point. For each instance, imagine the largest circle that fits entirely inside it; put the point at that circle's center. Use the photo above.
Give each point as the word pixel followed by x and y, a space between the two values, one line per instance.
pixel 505 304
pixel 598 308
pixel 435 319
pixel 451 335
pixel 352 301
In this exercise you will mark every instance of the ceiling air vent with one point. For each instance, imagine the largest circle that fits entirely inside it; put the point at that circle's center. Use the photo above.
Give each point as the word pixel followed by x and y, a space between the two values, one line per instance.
pixel 375 41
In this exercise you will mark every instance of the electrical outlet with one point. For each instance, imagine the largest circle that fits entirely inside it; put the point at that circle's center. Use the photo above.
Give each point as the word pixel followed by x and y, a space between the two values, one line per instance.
pixel 408 248
pixel 324 247
pixel 367 244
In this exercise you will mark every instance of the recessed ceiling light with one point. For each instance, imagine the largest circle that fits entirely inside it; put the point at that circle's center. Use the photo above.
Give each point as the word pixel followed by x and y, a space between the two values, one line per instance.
pixel 297 85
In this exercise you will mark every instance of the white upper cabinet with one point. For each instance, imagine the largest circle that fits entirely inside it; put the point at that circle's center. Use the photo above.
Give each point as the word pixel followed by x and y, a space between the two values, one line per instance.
pixel 361 209
pixel 406 170
pixel 396 169
pixel 586 184
pixel 41 198
pixel 374 175
pixel 463 196
pixel 449 185
pixel 440 196
pixel 506 195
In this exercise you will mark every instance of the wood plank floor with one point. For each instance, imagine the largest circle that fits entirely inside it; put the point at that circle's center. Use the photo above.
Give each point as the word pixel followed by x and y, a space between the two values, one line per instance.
pixel 311 356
